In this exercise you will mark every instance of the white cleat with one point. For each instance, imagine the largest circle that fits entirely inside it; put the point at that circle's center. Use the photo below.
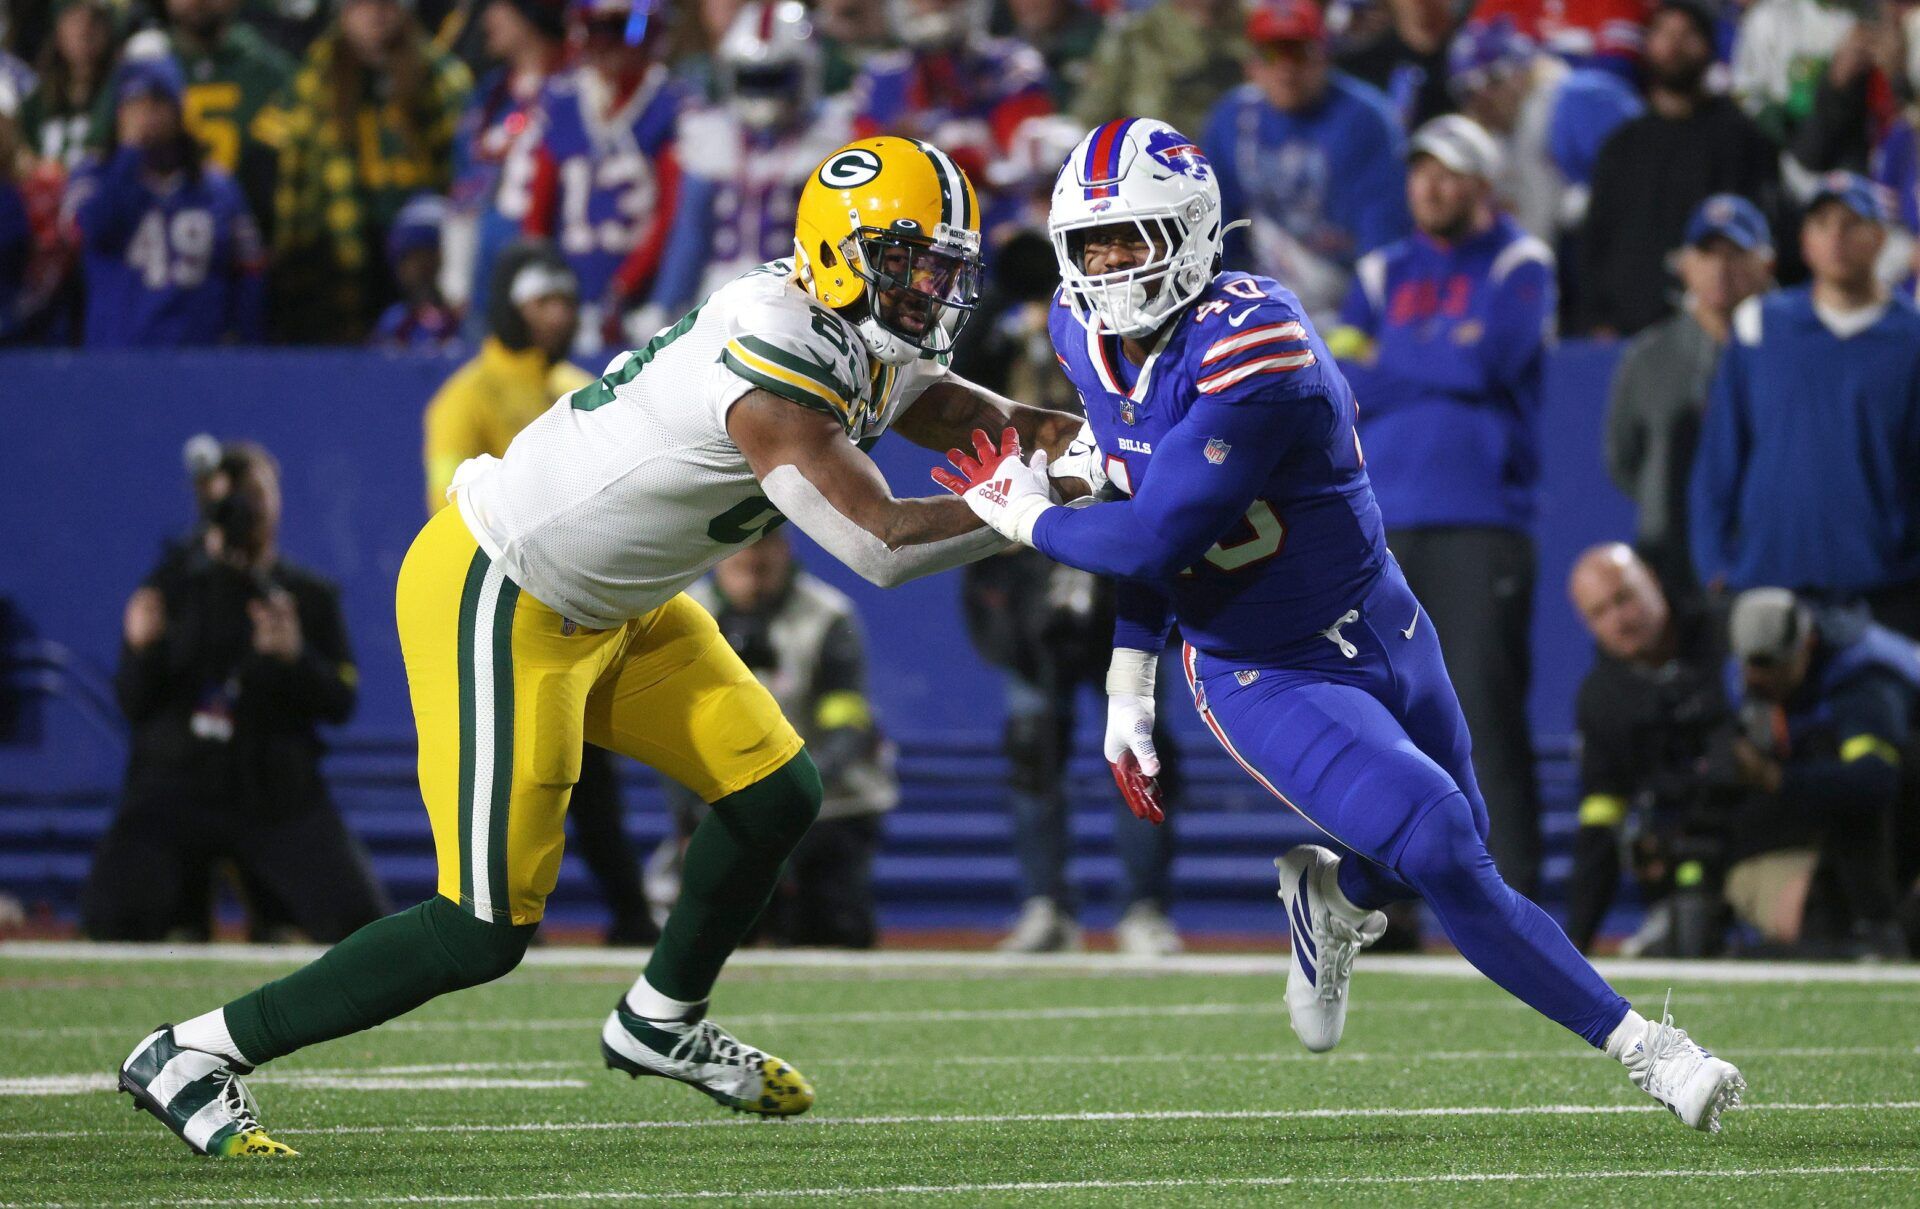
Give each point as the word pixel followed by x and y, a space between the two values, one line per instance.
pixel 1325 940
pixel 1042 928
pixel 1672 1068
pixel 1145 931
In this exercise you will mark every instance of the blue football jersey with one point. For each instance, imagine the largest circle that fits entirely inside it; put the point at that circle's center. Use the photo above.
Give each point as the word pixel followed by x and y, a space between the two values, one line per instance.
pixel 603 181
pixel 165 264
pixel 1311 542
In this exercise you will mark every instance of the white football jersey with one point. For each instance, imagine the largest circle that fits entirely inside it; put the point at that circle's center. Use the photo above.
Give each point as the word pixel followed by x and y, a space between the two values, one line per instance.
pixel 626 490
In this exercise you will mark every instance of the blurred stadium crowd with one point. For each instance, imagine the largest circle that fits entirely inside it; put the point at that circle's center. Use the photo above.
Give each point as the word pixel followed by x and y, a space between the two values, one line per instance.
pixel 328 171
pixel 1447 186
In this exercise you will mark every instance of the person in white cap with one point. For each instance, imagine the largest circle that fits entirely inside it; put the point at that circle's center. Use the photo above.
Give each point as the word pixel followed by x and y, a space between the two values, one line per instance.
pixel 1445 332
pixel 1827 697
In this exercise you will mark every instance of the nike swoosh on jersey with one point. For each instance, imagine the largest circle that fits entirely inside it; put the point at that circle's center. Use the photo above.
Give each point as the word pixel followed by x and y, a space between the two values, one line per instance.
pixel 1237 320
pixel 1408 632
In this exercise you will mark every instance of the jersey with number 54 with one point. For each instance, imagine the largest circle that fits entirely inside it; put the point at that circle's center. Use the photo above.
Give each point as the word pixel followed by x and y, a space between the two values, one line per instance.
pixel 627 490
pixel 1311 540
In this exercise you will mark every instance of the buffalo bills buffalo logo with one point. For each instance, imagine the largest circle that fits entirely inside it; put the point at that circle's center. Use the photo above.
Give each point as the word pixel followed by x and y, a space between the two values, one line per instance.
pixel 1179 153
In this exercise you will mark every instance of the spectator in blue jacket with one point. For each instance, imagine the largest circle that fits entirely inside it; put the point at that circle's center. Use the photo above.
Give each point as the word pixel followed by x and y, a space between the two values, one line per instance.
pixel 171 254
pixel 1805 477
pixel 1310 156
pixel 1449 329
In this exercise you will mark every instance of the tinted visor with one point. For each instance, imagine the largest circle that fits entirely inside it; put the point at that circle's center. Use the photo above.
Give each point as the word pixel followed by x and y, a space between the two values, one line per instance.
pixel 919 290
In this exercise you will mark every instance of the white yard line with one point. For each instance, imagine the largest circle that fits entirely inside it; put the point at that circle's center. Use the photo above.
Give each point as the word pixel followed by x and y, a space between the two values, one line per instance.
pixel 1262 1007
pixel 445 1076
pixel 903 1190
pixel 1253 964
pixel 94 1084
pixel 1015 1118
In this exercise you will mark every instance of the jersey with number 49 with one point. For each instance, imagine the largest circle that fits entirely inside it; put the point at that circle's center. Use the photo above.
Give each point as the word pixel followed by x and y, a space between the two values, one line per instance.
pixel 1311 542
pixel 627 490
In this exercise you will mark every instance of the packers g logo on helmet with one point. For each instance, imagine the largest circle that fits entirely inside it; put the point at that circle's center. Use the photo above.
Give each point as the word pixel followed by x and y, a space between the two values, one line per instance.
pixel 888 233
pixel 847 169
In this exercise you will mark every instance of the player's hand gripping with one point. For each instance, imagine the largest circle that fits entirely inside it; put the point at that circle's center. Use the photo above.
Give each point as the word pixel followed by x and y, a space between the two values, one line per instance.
pixel 1129 742
pixel 1006 493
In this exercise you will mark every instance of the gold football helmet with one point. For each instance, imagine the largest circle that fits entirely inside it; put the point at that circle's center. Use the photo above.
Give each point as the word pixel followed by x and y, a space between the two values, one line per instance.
pixel 888 234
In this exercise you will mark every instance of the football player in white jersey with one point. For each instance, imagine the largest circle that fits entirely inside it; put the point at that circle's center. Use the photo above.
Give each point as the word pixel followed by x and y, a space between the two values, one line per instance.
pixel 546 609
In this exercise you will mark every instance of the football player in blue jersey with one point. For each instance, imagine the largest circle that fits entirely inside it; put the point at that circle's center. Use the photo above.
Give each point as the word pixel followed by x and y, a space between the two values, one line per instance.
pixel 598 171
pixel 1234 500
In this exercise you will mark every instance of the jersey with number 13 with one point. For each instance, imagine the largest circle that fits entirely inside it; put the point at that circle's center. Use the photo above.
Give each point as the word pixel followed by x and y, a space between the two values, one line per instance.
pixel 627 490
pixel 1311 543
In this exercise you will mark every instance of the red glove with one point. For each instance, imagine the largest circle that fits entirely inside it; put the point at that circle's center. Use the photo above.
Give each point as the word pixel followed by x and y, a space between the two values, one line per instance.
pixel 1141 791
pixel 972 472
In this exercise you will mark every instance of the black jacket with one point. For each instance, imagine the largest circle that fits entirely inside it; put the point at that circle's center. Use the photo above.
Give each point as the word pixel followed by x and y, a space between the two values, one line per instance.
pixel 1644 734
pixel 1651 174
pixel 216 723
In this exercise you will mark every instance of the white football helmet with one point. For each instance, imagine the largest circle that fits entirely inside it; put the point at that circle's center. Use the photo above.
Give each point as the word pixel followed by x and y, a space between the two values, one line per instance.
pixel 934 24
pixel 769 64
pixel 1143 172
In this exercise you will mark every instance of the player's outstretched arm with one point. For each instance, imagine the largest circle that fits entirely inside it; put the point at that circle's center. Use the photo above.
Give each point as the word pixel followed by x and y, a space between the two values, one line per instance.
pixel 823 483
pixel 1207 471
pixel 948 413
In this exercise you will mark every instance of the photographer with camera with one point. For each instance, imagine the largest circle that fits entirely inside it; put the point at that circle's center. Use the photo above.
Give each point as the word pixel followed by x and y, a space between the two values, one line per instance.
pixel 231 658
pixel 1826 704
pixel 801 638
pixel 1651 715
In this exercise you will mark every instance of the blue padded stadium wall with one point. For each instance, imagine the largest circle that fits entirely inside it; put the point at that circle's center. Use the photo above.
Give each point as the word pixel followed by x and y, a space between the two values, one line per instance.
pixel 92 481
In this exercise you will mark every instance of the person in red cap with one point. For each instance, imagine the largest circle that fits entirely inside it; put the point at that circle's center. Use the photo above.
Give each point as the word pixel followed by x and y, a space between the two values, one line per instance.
pixel 1310 156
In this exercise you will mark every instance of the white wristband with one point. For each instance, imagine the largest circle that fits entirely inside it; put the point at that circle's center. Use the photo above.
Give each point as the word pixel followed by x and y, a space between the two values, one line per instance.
pixel 1132 672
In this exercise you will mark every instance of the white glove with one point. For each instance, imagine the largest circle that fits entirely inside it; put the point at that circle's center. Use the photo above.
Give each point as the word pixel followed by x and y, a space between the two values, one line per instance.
pixel 1130 680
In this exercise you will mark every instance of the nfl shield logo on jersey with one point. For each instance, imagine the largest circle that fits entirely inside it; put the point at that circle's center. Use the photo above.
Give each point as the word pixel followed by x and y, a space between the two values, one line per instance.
pixel 1126 411
pixel 1216 450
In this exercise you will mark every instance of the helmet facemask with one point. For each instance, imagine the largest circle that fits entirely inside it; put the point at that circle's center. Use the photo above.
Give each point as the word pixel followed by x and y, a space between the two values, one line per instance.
pixel 1135 302
pixel 918 293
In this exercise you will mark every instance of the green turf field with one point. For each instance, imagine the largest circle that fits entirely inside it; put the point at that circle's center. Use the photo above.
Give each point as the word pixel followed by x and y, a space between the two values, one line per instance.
pixel 959 1081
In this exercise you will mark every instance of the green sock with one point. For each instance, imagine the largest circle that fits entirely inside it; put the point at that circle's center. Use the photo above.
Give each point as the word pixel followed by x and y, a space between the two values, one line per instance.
pixel 386 969
pixel 732 865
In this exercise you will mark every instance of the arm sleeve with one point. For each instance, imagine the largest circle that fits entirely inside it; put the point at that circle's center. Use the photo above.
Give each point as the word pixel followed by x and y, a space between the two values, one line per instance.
pixel 1870 716
pixel 1717 466
pixel 863 553
pixel 1142 616
pixel 1188 501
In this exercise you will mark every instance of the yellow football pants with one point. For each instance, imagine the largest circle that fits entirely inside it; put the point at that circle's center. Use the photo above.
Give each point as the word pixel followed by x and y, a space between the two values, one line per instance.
pixel 505 690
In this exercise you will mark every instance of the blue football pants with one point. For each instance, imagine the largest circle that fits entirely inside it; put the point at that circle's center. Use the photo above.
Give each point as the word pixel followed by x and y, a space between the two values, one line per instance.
pixel 1359 731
